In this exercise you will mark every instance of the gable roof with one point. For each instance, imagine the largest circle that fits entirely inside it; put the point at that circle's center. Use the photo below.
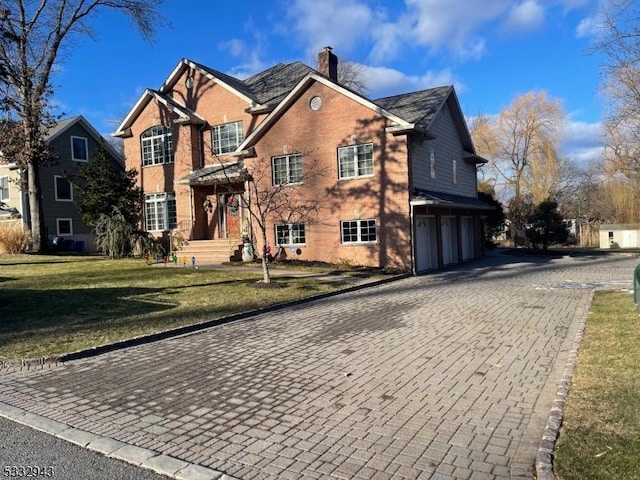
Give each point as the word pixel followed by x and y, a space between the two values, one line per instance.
pixel 63 125
pixel 273 90
pixel 295 93
pixel 422 107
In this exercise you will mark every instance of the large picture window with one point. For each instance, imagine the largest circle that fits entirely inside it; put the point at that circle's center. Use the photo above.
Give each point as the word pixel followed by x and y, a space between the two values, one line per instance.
pixel 160 211
pixel 287 169
pixel 355 161
pixel 79 149
pixel 4 188
pixel 226 138
pixel 290 234
pixel 358 231
pixel 157 146
pixel 64 191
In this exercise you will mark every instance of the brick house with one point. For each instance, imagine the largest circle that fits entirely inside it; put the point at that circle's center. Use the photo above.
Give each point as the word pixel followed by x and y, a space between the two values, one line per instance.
pixel 398 182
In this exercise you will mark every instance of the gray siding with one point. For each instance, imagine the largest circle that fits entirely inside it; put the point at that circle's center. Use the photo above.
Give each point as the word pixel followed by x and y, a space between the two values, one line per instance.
pixel 446 147
pixel 52 208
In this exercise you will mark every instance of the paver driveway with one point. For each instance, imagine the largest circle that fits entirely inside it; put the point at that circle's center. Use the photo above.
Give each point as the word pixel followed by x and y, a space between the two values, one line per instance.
pixel 449 375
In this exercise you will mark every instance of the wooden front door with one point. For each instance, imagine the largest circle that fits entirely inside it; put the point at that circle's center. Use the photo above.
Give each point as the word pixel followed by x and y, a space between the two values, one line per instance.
pixel 230 214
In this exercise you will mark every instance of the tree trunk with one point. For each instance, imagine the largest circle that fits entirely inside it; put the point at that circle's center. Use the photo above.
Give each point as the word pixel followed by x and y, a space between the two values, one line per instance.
pixel 266 276
pixel 36 223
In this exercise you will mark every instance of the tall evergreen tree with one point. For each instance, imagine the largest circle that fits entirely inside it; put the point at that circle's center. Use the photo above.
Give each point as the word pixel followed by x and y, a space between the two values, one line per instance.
pixel 101 186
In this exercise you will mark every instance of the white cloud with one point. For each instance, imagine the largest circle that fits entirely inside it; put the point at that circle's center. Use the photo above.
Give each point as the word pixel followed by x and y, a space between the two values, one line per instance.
pixel 382 81
pixel 583 142
pixel 528 15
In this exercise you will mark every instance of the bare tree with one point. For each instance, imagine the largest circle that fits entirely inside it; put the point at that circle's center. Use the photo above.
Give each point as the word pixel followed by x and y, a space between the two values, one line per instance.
pixel 33 35
pixel 619 41
pixel 289 200
pixel 521 143
pixel 352 75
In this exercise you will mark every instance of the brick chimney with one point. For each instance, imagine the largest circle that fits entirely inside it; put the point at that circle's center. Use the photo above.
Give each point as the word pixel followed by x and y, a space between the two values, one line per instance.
pixel 328 64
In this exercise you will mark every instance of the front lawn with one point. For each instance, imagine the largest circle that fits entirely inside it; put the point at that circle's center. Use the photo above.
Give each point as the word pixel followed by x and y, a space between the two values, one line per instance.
pixel 59 304
pixel 600 435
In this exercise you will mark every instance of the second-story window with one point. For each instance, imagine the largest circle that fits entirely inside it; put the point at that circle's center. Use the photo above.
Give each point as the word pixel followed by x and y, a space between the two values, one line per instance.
pixel 4 188
pixel 226 138
pixel 287 169
pixel 355 161
pixel 79 149
pixel 157 146
pixel 63 189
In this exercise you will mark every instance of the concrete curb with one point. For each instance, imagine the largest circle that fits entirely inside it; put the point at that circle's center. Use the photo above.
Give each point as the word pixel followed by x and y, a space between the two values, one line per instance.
pixel 544 457
pixel 47 362
pixel 140 457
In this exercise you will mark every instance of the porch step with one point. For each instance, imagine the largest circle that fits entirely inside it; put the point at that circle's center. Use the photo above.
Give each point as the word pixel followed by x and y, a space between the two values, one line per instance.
pixel 211 251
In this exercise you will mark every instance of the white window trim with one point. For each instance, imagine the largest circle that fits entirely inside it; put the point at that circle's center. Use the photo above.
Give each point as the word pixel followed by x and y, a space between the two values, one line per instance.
pixel 55 187
pixel 166 136
pixel 354 148
pixel 159 197
pixel 8 197
pixel 70 220
pixel 86 149
pixel 359 241
pixel 215 131
pixel 290 243
pixel 288 182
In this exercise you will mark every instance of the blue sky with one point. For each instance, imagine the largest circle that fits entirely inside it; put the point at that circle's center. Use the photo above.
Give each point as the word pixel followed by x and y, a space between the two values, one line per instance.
pixel 490 50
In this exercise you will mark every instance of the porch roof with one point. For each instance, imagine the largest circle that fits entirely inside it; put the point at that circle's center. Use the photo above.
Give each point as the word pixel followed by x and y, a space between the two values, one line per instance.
pixel 440 199
pixel 222 173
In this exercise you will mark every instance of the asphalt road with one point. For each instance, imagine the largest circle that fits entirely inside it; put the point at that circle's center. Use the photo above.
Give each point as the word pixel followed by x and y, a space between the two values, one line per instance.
pixel 58 459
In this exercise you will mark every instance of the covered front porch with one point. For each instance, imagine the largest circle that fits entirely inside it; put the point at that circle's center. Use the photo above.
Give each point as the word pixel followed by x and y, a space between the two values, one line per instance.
pixel 219 219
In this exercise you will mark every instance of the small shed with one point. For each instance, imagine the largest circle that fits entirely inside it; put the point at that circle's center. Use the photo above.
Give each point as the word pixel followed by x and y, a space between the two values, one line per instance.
pixel 619 236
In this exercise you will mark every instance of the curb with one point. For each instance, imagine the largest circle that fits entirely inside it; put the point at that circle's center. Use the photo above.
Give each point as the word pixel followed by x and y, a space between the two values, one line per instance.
pixel 140 457
pixel 51 361
pixel 544 457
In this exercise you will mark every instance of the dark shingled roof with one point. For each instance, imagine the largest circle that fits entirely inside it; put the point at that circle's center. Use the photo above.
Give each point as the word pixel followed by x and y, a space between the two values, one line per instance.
pixel 448 199
pixel 271 86
pixel 219 173
pixel 417 107
pixel 268 87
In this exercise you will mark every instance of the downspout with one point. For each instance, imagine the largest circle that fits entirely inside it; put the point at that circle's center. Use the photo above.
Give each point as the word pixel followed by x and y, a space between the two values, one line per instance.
pixel 412 243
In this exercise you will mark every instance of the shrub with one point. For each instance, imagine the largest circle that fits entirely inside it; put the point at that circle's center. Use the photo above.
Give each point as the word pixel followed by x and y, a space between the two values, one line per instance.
pixel 13 237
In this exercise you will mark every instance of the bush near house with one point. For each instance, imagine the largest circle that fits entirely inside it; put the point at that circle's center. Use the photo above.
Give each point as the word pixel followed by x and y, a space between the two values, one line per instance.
pixel 13 237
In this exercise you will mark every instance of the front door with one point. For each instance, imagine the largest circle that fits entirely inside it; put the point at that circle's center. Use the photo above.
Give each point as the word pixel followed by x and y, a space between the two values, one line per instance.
pixel 229 215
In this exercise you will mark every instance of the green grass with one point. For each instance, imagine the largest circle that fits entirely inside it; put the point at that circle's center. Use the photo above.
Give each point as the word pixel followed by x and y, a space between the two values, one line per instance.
pixel 51 305
pixel 600 435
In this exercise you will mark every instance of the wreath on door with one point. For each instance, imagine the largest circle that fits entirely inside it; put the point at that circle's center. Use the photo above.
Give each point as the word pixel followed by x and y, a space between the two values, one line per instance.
pixel 233 202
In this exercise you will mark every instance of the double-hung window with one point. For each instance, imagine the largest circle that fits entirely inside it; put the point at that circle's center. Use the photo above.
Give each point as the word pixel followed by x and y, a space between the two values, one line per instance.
pixel 4 188
pixel 160 211
pixel 358 231
pixel 355 161
pixel 64 191
pixel 287 169
pixel 290 234
pixel 64 227
pixel 79 149
pixel 157 146
pixel 226 138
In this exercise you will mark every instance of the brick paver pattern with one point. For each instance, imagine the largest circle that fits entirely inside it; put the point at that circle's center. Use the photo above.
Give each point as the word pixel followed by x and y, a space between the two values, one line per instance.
pixel 439 376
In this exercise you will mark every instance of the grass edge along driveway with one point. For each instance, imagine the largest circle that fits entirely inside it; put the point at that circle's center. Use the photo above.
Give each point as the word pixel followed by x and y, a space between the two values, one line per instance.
pixel 600 433
pixel 51 305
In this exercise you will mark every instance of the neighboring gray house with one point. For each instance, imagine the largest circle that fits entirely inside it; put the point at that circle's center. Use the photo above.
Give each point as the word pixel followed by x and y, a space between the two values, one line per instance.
pixel 75 141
